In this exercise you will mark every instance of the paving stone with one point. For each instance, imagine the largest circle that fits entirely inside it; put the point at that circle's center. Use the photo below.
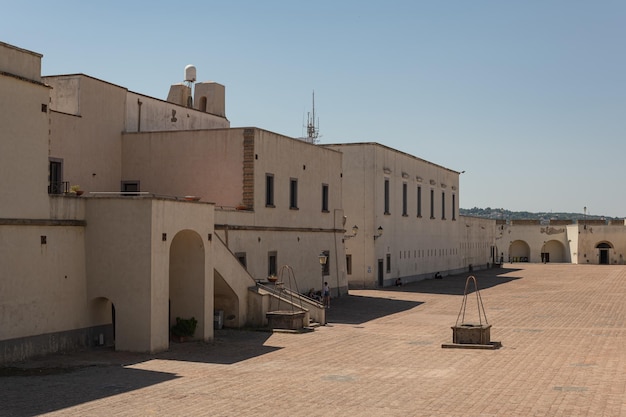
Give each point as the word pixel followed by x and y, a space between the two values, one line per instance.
pixel 562 327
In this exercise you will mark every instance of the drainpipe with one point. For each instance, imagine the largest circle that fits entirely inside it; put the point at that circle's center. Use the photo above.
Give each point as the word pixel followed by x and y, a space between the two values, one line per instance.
pixel 139 103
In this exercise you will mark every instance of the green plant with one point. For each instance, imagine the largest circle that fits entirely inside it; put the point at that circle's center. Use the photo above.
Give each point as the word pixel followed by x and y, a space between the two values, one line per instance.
pixel 184 327
pixel 74 188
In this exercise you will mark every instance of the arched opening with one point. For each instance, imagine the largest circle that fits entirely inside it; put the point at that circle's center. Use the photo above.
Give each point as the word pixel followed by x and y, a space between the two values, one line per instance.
pixel 553 251
pixel 102 317
pixel 203 104
pixel 519 251
pixel 604 253
pixel 186 279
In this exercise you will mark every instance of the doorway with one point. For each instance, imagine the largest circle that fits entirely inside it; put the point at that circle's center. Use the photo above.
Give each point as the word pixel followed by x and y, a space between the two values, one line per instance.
pixel 381 272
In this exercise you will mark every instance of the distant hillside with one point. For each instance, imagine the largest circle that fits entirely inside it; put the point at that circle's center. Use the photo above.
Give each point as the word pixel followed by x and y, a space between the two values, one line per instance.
pixel 503 214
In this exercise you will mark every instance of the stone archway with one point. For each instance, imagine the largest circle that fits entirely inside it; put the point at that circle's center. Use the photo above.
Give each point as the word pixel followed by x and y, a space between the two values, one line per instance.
pixel 519 251
pixel 187 296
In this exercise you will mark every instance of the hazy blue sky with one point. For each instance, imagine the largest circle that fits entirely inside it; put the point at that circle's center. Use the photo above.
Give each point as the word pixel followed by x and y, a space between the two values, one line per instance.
pixel 528 97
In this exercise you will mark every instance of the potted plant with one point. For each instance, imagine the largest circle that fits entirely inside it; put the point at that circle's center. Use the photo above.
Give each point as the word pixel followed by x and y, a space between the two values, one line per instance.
pixel 272 278
pixel 184 329
pixel 75 189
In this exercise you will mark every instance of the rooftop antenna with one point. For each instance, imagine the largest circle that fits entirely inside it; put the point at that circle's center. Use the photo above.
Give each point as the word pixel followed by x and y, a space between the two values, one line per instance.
pixel 312 126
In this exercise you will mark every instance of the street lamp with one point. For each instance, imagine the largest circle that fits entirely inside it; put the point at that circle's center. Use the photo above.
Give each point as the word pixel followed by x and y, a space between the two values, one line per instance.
pixel 379 232
pixel 355 230
pixel 323 260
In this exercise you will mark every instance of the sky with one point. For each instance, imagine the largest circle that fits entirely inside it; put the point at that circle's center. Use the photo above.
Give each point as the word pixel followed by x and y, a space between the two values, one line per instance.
pixel 527 97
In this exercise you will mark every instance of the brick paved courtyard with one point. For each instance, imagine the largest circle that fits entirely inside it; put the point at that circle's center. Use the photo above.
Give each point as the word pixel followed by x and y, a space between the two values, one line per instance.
pixel 562 327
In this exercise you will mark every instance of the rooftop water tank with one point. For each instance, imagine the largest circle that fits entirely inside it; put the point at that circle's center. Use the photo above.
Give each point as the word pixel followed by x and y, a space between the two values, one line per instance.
pixel 190 73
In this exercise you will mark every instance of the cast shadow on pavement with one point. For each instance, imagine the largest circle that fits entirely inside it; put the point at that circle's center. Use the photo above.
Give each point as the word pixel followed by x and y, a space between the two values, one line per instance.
pixel 455 284
pixel 59 381
pixel 355 309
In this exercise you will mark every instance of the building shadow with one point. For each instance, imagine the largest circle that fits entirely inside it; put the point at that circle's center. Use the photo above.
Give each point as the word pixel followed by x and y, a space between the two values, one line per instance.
pixel 356 309
pixel 35 395
pixel 455 284
pixel 58 381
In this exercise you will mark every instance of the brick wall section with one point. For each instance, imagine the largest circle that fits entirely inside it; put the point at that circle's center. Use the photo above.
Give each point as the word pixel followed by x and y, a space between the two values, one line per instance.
pixel 248 168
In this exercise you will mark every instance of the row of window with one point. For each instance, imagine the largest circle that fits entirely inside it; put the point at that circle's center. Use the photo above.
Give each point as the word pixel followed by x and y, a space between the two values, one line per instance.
pixel 405 199
pixel 293 193
pixel 272 262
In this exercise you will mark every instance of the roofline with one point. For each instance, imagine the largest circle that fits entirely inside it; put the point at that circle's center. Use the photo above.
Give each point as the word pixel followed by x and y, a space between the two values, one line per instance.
pixel 376 144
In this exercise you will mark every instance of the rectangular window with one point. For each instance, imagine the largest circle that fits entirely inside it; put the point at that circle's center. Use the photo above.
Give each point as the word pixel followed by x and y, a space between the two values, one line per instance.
pixel 325 198
pixel 293 193
pixel 327 265
pixel 453 206
pixel 387 196
pixel 419 201
pixel 269 190
pixel 443 205
pixel 272 263
pixel 241 257
pixel 349 264
pixel 432 204
pixel 55 177
pixel 404 199
pixel 130 188
pixel 388 263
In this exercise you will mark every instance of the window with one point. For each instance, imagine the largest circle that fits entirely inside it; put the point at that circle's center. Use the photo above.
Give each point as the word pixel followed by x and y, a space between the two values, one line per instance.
pixel 271 263
pixel 269 190
pixel 453 206
pixel 130 188
pixel 419 201
pixel 404 199
pixel 326 270
pixel 432 204
pixel 349 264
pixel 388 263
pixel 443 205
pixel 325 198
pixel 55 177
pixel 387 196
pixel 241 257
pixel 293 193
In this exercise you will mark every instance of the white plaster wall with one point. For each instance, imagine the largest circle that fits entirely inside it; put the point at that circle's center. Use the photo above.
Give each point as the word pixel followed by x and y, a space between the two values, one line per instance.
pixel 23 137
pixel 128 263
pixel 297 236
pixel 42 286
pixel 20 62
pixel 89 141
pixel 538 238
pixel 206 163
pixel 417 246
pixel 159 115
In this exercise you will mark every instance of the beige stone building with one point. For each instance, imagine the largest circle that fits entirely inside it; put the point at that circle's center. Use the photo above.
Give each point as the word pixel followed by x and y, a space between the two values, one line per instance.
pixel 182 215
pixel 156 234
pixel 598 242
pixel 405 210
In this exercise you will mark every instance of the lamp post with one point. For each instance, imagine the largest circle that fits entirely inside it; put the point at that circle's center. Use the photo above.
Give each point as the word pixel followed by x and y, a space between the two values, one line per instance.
pixel 323 259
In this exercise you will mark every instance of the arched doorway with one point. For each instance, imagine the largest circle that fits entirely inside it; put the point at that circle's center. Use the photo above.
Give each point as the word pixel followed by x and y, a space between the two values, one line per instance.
pixel 187 280
pixel 604 253
pixel 102 315
pixel 519 251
